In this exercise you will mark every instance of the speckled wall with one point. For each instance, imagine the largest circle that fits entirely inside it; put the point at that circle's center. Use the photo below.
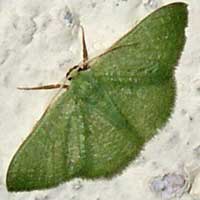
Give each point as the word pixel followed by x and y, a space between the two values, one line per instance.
pixel 40 40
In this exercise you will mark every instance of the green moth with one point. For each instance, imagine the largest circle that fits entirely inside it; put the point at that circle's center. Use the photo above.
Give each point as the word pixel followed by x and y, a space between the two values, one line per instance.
pixel 113 106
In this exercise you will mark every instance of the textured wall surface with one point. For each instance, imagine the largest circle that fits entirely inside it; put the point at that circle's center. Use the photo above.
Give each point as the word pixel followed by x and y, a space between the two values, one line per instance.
pixel 40 40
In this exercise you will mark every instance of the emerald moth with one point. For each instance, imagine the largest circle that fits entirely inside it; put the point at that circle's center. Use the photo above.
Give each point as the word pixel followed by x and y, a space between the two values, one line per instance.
pixel 114 104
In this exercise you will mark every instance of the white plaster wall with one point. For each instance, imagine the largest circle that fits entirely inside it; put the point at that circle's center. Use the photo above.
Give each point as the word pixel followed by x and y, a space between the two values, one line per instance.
pixel 40 40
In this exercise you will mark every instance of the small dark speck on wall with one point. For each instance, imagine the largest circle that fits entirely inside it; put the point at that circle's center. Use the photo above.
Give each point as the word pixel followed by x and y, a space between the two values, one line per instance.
pixel 69 17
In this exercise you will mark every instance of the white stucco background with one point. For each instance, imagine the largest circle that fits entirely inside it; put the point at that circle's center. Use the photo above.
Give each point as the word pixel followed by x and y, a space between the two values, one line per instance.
pixel 40 40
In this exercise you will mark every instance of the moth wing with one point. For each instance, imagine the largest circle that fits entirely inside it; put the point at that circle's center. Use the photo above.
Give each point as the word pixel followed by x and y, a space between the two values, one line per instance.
pixel 51 153
pixel 129 93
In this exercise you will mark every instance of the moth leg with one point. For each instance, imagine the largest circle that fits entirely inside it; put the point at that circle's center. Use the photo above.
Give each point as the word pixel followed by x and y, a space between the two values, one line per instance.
pixel 71 70
pixel 45 87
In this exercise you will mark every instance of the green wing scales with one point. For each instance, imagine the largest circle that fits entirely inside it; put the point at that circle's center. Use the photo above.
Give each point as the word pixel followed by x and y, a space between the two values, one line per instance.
pixel 102 121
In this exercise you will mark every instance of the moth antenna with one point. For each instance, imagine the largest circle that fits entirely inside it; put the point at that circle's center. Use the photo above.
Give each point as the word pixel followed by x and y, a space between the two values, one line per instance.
pixel 85 52
pixel 44 87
